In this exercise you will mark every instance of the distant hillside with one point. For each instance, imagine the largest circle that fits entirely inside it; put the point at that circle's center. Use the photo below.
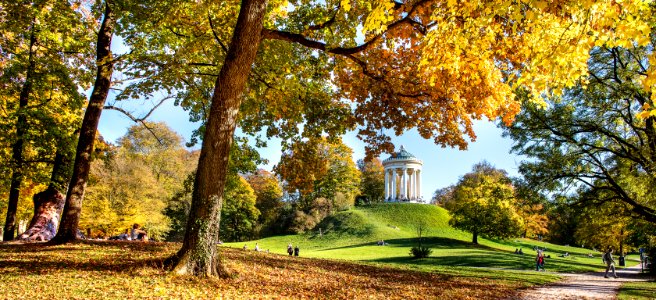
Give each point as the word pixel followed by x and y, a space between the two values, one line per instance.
pixel 352 235
pixel 387 221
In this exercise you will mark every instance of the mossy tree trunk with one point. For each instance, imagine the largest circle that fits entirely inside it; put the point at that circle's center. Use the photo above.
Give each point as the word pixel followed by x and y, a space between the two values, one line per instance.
pixel 199 254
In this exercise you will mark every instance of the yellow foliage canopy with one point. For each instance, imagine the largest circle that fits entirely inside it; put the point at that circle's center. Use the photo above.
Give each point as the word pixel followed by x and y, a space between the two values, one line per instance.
pixel 447 62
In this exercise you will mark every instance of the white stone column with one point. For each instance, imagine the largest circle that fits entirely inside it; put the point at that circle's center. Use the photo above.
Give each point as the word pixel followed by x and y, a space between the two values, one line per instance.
pixel 404 189
pixel 418 183
pixel 393 184
pixel 386 184
pixel 414 184
pixel 409 184
pixel 416 192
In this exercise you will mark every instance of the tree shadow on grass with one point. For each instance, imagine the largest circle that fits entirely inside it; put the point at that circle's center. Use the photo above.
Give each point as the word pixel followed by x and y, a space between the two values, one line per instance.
pixel 432 242
pixel 78 246
pixel 490 259
pixel 36 258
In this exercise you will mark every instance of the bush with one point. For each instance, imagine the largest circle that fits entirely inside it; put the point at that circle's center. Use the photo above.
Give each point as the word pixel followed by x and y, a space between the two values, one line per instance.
pixel 420 252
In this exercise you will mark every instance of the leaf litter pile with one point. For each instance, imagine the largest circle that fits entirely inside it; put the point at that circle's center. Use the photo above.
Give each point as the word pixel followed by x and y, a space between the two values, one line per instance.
pixel 129 270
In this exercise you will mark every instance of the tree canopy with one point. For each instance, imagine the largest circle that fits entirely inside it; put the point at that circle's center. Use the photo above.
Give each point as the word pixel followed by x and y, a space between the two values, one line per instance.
pixel 135 181
pixel 483 204
pixel 320 168
pixel 372 179
pixel 43 68
pixel 590 142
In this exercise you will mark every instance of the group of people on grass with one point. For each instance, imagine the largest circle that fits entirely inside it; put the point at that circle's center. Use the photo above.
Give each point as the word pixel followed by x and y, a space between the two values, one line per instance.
pixel 256 248
pixel 291 250
pixel 136 234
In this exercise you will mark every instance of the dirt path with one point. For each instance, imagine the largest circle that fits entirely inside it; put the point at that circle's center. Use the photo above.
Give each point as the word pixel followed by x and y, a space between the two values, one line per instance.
pixel 585 286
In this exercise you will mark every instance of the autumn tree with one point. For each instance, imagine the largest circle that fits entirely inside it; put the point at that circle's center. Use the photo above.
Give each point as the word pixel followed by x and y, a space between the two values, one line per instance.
pixel 146 167
pixel 43 67
pixel 443 195
pixel 239 214
pixel 422 64
pixel 372 179
pixel 595 141
pixel 532 208
pixel 483 204
pixel 320 168
pixel 268 193
pixel 603 226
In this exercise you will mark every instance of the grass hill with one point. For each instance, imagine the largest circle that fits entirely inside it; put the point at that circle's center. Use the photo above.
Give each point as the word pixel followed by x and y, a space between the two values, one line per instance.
pixel 352 235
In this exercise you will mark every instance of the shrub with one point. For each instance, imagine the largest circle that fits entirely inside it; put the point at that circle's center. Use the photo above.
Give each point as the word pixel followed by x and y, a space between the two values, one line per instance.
pixel 420 252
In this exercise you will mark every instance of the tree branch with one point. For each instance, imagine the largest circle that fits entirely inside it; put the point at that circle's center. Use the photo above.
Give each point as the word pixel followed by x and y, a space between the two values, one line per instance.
pixel 141 120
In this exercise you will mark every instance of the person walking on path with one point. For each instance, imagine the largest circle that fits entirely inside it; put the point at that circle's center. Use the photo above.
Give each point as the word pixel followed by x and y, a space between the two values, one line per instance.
pixel 609 261
pixel 539 261
pixel 296 250
pixel 290 250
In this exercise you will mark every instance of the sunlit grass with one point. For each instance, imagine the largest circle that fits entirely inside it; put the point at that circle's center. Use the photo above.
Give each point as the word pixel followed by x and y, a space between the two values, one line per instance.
pixel 637 291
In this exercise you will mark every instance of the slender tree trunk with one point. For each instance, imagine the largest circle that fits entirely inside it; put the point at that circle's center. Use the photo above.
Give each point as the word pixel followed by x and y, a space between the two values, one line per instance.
pixel 17 149
pixel 621 242
pixel 199 255
pixel 71 216
pixel 475 238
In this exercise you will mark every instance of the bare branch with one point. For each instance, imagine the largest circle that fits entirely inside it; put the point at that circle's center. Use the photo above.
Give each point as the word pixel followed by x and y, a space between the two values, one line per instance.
pixel 216 37
pixel 141 120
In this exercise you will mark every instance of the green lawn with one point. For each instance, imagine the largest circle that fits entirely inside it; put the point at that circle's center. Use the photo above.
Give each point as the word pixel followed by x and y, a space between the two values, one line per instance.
pixel 352 235
pixel 638 290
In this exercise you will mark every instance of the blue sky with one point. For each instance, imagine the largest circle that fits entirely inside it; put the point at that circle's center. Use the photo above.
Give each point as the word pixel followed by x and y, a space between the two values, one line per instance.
pixel 442 166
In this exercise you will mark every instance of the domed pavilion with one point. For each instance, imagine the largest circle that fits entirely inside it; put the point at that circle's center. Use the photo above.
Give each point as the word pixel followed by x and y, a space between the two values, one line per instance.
pixel 403 177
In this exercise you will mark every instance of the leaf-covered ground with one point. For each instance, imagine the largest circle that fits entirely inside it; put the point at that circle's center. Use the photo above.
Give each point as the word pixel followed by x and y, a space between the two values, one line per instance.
pixel 128 270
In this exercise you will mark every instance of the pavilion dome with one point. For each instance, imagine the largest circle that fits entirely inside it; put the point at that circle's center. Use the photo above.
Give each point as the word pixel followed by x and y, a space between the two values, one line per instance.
pixel 401 155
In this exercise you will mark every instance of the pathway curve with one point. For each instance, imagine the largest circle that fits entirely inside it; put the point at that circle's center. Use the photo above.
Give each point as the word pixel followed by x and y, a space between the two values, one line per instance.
pixel 584 286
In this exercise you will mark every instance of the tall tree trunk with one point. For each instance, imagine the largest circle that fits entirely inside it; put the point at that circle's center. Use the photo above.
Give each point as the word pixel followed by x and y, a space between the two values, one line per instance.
pixel 17 149
pixel 475 238
pixel 621 242
pixel 71 216
pixel 48 204
pixel 199 255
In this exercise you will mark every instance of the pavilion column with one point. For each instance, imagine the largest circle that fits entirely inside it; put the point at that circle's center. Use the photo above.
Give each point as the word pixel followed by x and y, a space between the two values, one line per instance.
pixel 416 192
pixel 404 181
pixel 418 183
pixel 386 184
pixel 409 184
pixel 413 184
pixel 393 183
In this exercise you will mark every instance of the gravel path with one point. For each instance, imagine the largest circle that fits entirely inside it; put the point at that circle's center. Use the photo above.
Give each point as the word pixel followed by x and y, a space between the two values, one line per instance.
pixel 584 286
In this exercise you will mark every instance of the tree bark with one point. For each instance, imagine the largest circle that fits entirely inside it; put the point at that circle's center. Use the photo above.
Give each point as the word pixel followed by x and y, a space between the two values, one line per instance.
pixel 199 255
pixel 71 216
pixel 47 208
pixel 48 204
pixel 17 149
pixel 475 238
